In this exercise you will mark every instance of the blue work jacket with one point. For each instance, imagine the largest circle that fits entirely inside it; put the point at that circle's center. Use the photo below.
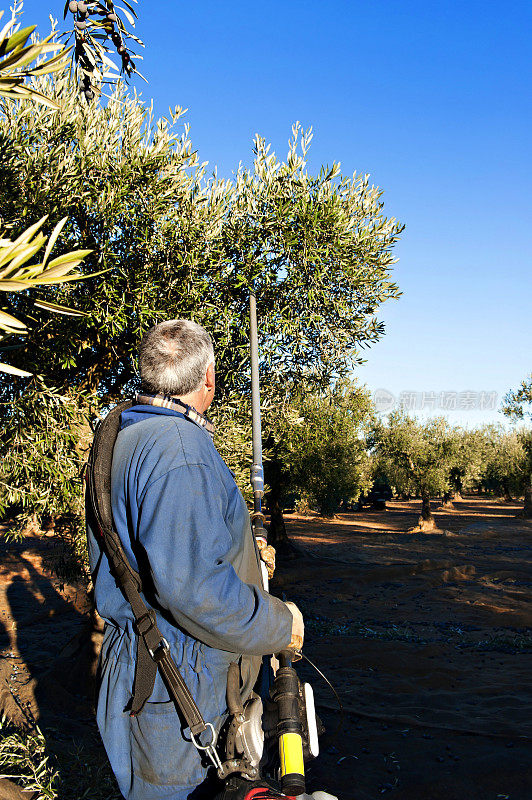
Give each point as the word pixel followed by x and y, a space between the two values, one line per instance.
pixel 185 527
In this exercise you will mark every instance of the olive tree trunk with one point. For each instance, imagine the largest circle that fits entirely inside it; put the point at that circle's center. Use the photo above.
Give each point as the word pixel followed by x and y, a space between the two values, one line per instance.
pixel 274 475
pixel 277 528
pixel 426 521
pixel 447 499
pixel 527 509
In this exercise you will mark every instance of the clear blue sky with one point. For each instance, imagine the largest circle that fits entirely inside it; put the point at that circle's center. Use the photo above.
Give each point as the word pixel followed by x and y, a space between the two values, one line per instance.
pixel 434 101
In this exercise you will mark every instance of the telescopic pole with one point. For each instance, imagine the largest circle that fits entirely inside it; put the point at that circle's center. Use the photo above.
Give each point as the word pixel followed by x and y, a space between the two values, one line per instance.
pixel 257 471
pixel 286 684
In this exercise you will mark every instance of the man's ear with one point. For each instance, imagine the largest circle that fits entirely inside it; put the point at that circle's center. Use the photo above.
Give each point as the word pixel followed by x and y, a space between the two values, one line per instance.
pixel 209 377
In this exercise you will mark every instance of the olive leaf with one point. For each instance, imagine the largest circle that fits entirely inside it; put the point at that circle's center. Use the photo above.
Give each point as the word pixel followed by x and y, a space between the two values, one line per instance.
pixel 20 61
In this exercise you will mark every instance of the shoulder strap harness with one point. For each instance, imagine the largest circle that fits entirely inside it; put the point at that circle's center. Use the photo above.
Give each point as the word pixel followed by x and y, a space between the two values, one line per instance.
pixel 153 651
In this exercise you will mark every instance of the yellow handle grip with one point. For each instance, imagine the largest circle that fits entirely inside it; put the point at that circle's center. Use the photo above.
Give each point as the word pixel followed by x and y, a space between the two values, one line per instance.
pixel 291 754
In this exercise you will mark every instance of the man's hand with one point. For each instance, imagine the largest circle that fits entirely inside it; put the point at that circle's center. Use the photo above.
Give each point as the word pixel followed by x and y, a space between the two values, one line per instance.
pixel 298 627
pixel 267 554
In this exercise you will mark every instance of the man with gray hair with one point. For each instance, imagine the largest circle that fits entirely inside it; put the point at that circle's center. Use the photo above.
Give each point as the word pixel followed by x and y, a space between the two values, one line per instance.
pixel 185 528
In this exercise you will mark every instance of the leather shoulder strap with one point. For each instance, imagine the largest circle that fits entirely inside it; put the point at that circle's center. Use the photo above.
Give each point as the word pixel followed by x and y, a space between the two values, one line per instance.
pixel 152 649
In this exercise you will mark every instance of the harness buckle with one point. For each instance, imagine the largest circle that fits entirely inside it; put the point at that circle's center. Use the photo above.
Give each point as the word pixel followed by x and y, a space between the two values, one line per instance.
pixel 162 644
pixel 143 626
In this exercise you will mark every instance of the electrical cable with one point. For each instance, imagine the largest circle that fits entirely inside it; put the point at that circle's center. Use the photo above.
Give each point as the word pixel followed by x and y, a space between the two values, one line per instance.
pixel 327 681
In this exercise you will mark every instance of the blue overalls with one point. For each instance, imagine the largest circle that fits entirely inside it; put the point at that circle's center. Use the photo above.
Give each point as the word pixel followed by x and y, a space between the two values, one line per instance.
pixel 185 526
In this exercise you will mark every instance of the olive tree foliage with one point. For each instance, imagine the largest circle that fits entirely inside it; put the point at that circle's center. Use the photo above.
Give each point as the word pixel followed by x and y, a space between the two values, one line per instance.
pixel 463 454
pixel 316 450
pixel 20 60
pixel 417 457
pixel 44 439
pixel 175 241
pixel 99 28
pixel 434 458
pixel 468 456
pixel 518 406
pixel 117 182
pixel 505 469
pixel 317 249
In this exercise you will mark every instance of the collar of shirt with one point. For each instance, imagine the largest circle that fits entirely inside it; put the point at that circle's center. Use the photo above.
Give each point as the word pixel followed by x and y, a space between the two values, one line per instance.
pixel 176 404
pixel 140 412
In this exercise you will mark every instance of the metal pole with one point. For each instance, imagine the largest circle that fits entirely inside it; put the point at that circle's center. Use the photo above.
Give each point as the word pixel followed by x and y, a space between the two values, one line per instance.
pixel 257 472
pixel 286 686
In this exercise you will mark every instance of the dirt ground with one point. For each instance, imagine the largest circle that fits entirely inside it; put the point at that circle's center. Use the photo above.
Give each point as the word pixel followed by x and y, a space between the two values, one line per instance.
pixel 427 638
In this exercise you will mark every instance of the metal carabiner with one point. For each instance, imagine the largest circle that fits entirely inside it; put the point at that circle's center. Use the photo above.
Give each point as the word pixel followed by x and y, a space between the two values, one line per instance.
pixel 209 749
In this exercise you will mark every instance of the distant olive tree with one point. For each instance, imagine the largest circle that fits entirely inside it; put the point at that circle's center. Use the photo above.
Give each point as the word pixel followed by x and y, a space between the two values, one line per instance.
pixel 316 450
pixel 505 461
pixel 518 406
pixel 467 454
pixel 416 456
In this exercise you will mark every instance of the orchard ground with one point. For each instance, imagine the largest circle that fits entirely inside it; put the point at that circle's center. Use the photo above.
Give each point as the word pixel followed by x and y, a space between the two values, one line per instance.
pixel 427 637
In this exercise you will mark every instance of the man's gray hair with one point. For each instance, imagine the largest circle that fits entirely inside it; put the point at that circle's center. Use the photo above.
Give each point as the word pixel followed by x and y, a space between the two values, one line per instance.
pixel 174 356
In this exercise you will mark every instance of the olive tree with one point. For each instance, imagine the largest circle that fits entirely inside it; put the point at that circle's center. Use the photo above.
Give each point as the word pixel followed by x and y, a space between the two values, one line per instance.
pixel 173 241
pixel 317 249
pixel 416 456
pixel 505 461
pixel 518 406
pixel 467 454
pixel 316 450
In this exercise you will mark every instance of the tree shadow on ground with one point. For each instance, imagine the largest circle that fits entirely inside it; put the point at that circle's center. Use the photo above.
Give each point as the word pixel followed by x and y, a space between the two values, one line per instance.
pixel 56 646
